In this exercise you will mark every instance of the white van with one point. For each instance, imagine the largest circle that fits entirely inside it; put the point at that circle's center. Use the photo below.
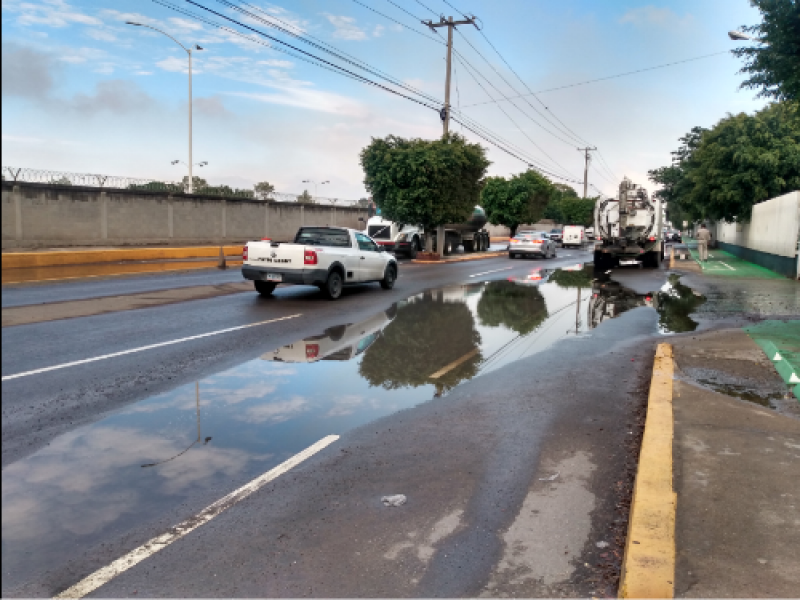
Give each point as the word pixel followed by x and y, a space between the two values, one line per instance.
pixel 573 235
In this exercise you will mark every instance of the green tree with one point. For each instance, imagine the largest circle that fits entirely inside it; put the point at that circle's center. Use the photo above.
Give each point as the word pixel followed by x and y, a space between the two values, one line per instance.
pixel 263 190
pixel 305 198
pixel 427 335
pixel 577 211
pixel 198 184
pixel 63 180
pixel 428 183
pixel 516 201
pixel 581 278
pixel 519 308
pixel 744 159
pixel 773 64
pixel 553 210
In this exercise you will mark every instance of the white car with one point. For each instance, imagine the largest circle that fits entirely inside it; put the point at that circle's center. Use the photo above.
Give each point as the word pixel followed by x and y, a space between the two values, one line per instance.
pixel 327 257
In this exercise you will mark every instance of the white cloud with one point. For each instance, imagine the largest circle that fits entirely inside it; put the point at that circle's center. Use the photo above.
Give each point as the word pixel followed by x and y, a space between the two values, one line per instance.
pixel 274 62
pixel 310 99
pixel 652 15
pixel 52 13
pixel 101 35
pixel 176 65
pixel 185 24
pixel 346 28
pixel 378 31
pixel 275 412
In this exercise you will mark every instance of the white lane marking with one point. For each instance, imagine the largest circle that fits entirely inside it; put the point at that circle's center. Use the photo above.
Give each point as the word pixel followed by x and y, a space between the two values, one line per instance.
pixel 727 265
pixel 137 555
pixel 492 271
pixel 143 348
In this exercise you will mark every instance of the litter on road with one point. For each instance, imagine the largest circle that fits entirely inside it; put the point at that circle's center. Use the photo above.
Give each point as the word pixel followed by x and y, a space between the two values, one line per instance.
pixel 395 500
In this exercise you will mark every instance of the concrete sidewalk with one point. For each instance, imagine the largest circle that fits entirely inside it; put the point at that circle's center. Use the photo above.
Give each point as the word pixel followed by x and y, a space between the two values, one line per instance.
pixel 736 470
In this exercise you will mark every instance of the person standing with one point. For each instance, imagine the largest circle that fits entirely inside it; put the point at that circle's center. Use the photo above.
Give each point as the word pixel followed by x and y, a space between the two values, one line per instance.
pixel 703 238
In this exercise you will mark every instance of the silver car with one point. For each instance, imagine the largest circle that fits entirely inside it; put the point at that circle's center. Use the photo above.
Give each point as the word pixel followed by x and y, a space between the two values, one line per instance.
pixel 532 243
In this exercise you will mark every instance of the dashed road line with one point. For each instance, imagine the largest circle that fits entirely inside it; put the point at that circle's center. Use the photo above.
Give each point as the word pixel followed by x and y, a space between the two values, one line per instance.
pixel 137 555
pixel 143 348
pixel 727 265
pixel 492 271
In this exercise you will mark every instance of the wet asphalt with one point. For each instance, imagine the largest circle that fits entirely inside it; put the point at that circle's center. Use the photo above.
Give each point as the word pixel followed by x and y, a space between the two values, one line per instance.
pixel 461 388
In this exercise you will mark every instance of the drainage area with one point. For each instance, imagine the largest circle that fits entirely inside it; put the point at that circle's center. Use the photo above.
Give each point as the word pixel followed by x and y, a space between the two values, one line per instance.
pixel 203 439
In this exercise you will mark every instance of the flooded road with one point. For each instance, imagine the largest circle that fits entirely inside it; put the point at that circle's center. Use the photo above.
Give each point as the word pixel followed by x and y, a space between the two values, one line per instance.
pixel 99 481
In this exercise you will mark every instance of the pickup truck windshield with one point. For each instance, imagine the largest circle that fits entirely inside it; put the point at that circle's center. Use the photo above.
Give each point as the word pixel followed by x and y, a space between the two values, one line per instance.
pixel 323 236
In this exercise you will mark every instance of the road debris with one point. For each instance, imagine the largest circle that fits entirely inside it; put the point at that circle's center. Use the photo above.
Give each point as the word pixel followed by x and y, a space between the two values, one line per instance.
pixel 395 500
pixel 551 478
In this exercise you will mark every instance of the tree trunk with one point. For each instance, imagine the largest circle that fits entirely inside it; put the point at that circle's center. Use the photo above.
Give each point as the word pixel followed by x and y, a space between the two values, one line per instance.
pixel 513 230
pixel 440 240
pixel 429 239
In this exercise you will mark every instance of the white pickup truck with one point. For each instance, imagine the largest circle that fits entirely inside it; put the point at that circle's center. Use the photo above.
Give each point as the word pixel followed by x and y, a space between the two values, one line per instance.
pixel 327 257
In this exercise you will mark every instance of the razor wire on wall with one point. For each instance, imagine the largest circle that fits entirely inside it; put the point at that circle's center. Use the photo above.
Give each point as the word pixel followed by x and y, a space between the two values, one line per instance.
pixel 115 182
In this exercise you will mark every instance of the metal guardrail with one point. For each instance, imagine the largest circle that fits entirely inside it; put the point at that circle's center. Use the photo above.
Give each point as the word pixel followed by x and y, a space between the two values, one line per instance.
pixel 116 182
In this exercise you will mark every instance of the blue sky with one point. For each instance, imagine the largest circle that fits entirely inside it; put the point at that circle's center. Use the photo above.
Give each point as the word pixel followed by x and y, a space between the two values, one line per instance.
pixel 84 92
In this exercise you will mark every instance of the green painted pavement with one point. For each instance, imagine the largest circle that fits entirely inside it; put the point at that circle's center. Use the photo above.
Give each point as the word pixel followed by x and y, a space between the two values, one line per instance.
pixel 780 341
pixel 725 264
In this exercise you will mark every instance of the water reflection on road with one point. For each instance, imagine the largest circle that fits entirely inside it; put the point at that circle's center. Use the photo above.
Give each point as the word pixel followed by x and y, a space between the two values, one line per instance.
pixel 95 483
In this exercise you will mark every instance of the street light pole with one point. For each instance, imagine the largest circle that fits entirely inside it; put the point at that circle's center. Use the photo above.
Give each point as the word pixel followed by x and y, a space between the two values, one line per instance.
pixel 189 53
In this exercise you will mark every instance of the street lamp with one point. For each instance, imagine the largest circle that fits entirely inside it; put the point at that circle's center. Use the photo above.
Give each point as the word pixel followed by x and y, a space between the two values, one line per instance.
pixel 315 185
pixel 739 36
pixel 189 53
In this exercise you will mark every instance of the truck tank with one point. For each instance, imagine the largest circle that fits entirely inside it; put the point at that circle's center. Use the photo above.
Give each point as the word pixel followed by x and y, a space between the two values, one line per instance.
pixel 628 228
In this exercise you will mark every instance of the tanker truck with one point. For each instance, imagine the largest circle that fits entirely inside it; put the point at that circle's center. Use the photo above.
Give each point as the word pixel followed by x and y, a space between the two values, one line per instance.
pixel 407 239
pixel 628 229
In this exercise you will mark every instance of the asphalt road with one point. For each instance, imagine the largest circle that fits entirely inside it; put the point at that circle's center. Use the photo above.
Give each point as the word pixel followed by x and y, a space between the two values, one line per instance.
pixel 512 465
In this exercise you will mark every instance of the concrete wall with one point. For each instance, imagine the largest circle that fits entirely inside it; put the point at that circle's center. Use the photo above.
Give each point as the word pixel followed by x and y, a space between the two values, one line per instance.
pixel 40 216
pixel 770 238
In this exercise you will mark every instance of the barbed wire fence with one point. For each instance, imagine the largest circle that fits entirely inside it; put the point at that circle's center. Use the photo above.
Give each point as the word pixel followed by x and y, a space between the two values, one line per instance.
pixel 116 182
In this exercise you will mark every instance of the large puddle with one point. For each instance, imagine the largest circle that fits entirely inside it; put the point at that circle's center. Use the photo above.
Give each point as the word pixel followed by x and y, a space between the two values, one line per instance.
pixel 142 463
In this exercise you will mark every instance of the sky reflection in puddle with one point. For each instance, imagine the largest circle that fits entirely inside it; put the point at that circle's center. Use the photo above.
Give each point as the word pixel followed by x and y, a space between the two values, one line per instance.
pixel 140 464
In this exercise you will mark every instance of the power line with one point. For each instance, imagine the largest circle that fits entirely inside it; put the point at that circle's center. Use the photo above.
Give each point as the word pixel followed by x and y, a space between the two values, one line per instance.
pixel 571 85
pixel 417 31
pixel 475 128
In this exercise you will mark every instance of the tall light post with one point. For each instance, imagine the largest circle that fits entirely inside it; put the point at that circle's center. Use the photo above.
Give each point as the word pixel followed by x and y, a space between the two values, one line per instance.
pixel 189 53
pixel 315 185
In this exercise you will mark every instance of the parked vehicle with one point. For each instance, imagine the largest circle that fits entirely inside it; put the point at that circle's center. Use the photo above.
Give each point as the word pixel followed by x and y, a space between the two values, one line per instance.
pixel 574 236
pixel 629 228
pixel 327 257
pixel 410 239
pixel 532 243
pixel 556 235
pixel 590 233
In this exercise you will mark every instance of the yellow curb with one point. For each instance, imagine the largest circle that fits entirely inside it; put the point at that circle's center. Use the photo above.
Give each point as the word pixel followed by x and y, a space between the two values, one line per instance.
pixel 459 259
pixel 103 270
pixel 648 568
pixel 499 239
pixel 21 260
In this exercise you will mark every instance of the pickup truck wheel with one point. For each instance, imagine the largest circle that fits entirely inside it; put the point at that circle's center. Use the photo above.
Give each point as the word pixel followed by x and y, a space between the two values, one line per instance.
pixel 265 288
pixel 389 277
pixel 332 288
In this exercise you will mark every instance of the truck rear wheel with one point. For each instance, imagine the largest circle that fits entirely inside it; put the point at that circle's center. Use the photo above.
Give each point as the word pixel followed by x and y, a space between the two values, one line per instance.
pixel 265 288
pixel 332 288
pixel 469 245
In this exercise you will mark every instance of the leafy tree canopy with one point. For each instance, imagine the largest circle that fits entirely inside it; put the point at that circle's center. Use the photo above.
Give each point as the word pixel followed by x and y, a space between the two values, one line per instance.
pixel 427 335
pixel 263 190
pixel 773 62
pixel 519 308
pixel 516 201
pixel 429 183
pixel 305 198
pixel 573 279
pixel 577 211
pixel 744 159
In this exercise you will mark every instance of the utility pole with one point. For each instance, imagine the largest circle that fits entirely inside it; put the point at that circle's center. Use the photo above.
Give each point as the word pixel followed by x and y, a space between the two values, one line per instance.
pixel 450 24
pixel 586 168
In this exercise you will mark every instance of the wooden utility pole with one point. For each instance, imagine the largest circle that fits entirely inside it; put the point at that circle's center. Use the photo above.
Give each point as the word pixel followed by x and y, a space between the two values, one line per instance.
pixel 586 168
pixel 450 24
